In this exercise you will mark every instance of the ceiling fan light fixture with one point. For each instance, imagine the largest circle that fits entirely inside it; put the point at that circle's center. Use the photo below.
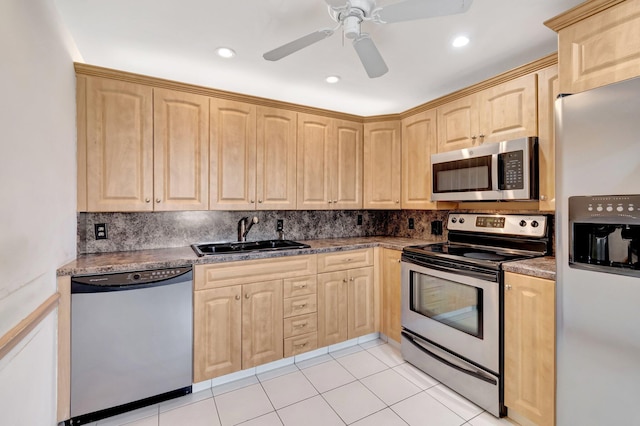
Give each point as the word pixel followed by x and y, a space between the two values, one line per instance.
pixel 332 79
pixel 225 52
pixel 460 41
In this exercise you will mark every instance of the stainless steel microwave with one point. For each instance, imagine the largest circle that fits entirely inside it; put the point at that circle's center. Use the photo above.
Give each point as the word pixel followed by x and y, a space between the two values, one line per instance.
pixel 505 170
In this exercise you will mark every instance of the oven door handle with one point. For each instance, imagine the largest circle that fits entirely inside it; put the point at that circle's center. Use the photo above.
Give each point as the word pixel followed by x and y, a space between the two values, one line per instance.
pixel 475 374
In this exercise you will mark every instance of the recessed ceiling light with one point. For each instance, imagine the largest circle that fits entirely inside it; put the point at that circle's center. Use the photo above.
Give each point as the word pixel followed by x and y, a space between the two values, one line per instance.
pixel 225 52
pixel 460 41
pixel 332 79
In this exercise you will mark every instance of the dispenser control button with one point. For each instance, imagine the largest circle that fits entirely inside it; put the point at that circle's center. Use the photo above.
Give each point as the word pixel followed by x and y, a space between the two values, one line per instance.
pixel 631 208
pixel 599 208
pixel 535 224
pixel 609 208
pixel 590 208
pixel 620 208
pixel 523 223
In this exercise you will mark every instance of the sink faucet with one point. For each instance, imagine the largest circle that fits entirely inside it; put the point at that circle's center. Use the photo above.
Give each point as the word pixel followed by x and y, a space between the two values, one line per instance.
pixel 243 229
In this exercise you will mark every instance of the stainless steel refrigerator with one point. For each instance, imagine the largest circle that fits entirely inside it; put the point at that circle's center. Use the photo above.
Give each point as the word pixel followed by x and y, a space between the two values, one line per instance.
pixel 597 244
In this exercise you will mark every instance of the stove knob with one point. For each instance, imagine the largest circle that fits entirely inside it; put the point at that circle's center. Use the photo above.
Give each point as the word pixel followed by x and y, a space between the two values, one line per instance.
pixel 535 224
pixel 454 220
pixel 523 223
pixel 461 220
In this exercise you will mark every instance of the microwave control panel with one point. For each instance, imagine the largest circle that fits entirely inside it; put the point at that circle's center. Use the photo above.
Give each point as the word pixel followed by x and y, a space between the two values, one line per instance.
pixel 511 170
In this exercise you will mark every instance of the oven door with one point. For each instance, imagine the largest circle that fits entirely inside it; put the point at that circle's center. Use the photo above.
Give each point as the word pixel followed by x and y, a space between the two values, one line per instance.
pixel 457 310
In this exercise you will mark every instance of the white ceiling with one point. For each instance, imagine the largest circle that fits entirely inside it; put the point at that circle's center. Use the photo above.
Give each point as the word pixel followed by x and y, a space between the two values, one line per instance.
pixel 176 39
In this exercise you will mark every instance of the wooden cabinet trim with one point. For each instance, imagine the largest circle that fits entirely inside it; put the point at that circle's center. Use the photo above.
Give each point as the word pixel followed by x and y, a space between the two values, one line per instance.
pixel 579 13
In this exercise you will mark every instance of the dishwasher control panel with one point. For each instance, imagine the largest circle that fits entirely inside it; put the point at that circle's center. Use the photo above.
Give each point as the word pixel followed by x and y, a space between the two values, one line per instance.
pixel 133 278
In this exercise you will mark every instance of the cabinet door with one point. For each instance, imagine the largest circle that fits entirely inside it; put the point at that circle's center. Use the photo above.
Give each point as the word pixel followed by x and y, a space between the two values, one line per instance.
pixel 262 332
pixel 216 332
pixel 332 308
pixel 314 157
pixel 382 148
pixel 601 49
pixel 361 316
pixel 346 167
pixel 509 110
pixel 233 155
pixel 276 159
pixel 418 142
pixel 391 294
pixel 181 150
pixel 529 349
pixel 458 124
pixel 119 146
pixel 548 90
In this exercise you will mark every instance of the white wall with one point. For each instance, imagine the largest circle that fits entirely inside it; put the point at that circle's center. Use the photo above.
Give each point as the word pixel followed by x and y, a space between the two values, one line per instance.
pixel 37 196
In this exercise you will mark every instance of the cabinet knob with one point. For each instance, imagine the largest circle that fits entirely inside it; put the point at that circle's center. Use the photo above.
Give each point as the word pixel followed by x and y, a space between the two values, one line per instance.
pixel 246 296
pixel 344 280
pixel 397 201
pixel 147 200
pixel 473 138
pixel 158 200
pixel 260 201
pixel 237 297
pixel 329 201
pixel 399 260
pixel 508 287
pixel 481 136
pixel 351 279
pixel 252 201
pixel 543 197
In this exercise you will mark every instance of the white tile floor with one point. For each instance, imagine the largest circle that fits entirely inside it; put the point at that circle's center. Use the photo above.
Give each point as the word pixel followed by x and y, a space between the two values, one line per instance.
pixel 365 384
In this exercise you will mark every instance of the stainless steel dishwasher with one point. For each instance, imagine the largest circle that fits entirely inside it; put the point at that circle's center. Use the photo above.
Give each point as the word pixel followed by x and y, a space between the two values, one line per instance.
pixel 131 340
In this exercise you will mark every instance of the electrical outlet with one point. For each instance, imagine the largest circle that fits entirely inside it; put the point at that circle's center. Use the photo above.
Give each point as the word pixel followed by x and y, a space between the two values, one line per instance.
pixel 280 225
pixel 412 224
pixel 100 231
pixel 359 219
pixel 436 227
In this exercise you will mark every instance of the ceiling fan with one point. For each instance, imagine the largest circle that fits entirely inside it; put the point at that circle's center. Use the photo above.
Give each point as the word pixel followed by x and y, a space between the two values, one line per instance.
pixel 350 16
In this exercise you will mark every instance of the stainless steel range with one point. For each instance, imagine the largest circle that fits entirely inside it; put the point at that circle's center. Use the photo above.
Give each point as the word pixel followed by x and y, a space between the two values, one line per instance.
pixel 452 300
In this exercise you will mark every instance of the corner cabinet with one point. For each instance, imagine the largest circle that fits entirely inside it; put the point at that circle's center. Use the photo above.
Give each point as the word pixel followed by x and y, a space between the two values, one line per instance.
pixel 598 44
pixel 347 296
pixel 529 349
pixel 141 148
pixel 382 151
pixel 329 163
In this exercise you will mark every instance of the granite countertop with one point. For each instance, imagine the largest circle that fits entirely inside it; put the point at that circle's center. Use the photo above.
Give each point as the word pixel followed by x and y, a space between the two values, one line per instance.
pixel 181 256
pixel 540 267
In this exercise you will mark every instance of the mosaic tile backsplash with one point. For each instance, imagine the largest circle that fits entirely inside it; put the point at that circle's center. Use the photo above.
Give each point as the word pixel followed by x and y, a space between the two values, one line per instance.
pixel 138 231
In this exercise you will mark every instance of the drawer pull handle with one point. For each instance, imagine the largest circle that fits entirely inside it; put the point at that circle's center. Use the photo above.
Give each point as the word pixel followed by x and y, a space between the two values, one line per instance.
pixel 302 306
pixel 348 259
pixel 301 286
pixel 301 345
pixel 301 325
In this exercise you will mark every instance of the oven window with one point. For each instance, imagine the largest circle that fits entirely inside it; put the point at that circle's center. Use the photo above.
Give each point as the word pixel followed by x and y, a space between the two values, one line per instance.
pixel 472 174
pixel 451 303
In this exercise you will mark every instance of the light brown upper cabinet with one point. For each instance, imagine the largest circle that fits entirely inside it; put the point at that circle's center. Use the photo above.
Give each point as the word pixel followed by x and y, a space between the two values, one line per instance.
pixel 502 112
pixel 121 128
pixel 329 163
pixel 548 90
pixel 418 143
pixel 233 155
pixel 276 159
pixel 382 151
pixel 598 44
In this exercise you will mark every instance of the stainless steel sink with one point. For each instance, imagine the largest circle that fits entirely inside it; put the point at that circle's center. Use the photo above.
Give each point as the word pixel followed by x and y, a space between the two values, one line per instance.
pixel 207 249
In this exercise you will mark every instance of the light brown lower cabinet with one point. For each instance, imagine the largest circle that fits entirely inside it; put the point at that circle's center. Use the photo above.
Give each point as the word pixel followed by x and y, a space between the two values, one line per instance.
pixel 237 327
pixel 529 349
pixel 391 321
pixel 346 305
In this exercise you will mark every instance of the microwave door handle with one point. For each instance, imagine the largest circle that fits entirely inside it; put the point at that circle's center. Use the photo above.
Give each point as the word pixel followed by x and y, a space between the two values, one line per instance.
pixel 496 166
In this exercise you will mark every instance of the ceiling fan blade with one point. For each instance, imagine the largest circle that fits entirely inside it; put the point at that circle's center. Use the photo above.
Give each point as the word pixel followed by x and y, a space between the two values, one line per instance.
pixel 336 3
pixel 370 56
pixel 291 47
pixel 419 9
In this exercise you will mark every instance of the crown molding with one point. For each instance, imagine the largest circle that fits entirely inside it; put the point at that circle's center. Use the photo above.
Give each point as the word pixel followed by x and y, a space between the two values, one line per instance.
pixel 579 13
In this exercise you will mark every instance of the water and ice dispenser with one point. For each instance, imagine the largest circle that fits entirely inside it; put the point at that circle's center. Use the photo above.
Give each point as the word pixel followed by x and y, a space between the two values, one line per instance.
pixel 605 233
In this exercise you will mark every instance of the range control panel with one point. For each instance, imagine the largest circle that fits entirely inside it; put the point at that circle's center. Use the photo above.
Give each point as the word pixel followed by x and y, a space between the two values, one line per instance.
pixel 511 224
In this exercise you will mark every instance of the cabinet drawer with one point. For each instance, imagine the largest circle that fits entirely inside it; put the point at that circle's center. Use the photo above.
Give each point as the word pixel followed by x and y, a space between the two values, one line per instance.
pixel 301 324
pixel 297 345
pixel 248 271
pixel 338 261
pixel 300 305
pixel 300 286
